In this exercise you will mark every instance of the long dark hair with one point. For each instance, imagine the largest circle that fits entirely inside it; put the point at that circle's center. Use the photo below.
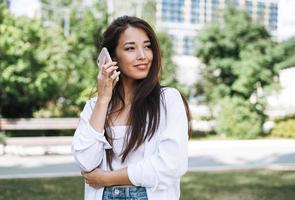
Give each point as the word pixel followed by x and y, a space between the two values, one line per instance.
pixel 144 114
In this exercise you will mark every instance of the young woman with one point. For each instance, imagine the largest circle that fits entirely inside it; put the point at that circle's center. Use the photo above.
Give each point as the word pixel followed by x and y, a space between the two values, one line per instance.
pixel 131 141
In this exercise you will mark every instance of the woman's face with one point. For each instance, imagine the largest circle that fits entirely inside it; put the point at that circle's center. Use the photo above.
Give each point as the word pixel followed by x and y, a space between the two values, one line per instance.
pixel 134 54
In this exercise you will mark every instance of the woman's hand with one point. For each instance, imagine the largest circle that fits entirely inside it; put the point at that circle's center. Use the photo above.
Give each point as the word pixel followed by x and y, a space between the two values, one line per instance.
pixel 106 81
pixel 95 178
pixel 100 178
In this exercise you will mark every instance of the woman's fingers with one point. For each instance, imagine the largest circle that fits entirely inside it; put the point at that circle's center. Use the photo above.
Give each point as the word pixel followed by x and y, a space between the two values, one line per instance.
pixel 108 72
pixel 107 79
pixel 115 75
pixel 108 65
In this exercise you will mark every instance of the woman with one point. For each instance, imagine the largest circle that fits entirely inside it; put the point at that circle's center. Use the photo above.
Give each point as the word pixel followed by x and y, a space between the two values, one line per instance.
pixel 131 141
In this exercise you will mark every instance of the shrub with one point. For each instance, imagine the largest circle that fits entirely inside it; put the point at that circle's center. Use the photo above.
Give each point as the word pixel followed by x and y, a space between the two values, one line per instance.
pixel 284 129
pixel 237 118
pixel 2 138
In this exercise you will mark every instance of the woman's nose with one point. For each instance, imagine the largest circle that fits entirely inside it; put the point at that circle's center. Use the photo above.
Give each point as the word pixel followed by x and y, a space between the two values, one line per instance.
pixel 141 54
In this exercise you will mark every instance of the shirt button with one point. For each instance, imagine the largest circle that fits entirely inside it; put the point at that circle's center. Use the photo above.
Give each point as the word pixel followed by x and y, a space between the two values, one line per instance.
pixel 116 191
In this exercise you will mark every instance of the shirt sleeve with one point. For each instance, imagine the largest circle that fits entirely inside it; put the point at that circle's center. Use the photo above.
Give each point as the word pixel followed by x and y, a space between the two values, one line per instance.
pixel 88 145
pixel 170 160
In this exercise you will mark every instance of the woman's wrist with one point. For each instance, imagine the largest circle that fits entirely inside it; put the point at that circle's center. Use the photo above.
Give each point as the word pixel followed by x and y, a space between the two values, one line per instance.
pixel 98 116
pixel 117 177
pixel 106 177
pixel 103 100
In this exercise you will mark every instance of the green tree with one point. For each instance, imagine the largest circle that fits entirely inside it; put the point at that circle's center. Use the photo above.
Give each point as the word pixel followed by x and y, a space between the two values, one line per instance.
pixel 79 57
pixel 24 84
pixel 168 75
pixel 288 57
pixel 150 10
pixel 241 60
pixel 237 118
pixel 84 51
pixel 41 67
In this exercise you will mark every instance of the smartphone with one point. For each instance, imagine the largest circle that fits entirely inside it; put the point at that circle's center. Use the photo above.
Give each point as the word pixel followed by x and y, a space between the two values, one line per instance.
pixel 104 55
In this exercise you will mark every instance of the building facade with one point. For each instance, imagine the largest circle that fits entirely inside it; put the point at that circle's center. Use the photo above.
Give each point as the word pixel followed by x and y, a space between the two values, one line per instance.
pixel 183 19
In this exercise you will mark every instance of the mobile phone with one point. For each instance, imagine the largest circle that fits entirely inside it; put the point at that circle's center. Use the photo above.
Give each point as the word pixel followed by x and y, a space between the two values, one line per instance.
pixel 104 55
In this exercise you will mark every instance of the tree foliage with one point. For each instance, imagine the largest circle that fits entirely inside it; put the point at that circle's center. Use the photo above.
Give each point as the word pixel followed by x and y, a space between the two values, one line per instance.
pixel 237 118
pixel 241 60
pixel 41 67
pixel 288 53
pixel 24 80
pixel 168 76
pixel 240 57
pixel 149 13
pixel 45 72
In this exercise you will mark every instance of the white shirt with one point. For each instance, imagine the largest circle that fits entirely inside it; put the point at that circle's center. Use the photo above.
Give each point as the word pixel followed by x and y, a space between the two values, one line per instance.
pixel 165 156
pixel 119 133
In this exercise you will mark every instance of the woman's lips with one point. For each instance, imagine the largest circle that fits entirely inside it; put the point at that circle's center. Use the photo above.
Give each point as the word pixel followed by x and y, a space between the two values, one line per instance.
pixel 141 66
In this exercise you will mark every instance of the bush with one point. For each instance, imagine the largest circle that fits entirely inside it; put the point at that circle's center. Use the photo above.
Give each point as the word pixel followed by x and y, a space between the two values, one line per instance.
pixel 284 129
pixel 237 118
pixel 2 138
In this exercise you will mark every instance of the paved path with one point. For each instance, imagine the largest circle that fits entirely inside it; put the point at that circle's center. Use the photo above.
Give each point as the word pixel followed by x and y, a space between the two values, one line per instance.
pixel 203 156
pixel 241 154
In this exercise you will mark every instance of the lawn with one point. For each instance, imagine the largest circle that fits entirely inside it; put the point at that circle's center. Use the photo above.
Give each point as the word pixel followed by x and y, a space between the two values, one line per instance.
pixel 234 185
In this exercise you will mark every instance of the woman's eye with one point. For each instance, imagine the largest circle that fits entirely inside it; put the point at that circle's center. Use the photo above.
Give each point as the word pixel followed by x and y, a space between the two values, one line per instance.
pixel 148 46
pixel 129 48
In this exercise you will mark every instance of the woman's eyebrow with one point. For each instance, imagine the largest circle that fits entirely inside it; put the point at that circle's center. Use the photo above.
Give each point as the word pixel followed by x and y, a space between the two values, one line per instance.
pixel 146 41
pixel 129 43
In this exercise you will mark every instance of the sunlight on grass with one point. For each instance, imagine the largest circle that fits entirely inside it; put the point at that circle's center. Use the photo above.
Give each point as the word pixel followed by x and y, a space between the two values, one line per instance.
pixel 247 185
pixel 232 185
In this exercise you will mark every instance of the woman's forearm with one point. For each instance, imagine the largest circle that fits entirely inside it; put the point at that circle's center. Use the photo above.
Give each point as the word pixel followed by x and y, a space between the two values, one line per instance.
pixel 101 178
pixel 117 177
pixel 98 116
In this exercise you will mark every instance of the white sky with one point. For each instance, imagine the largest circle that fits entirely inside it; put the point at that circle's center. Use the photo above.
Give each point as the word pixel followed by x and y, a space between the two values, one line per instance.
pixel 29 8
pixel 286 18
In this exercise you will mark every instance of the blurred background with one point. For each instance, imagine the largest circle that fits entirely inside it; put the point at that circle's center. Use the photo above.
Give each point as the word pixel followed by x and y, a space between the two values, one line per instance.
pixel 217 52
pixel 233 59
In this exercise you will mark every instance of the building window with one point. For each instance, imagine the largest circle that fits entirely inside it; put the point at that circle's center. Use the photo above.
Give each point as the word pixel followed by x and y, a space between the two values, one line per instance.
pixel 195 11
pixel 188 45
pixel 172 11
pixel 249 6
pixel 214 10
pixel 260 11
pixel 8 2
pixel 273 16
pixel 233 3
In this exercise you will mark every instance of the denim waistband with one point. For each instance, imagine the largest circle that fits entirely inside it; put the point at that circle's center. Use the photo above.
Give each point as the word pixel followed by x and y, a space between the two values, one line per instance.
pixel 124 192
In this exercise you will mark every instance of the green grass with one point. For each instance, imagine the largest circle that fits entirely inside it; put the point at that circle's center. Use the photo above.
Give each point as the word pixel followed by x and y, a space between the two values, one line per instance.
pixel 237 185
pixel 68 188
pixel 234 185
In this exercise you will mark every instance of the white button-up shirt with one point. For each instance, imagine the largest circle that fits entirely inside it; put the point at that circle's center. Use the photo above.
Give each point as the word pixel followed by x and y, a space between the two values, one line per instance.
pixel 157 165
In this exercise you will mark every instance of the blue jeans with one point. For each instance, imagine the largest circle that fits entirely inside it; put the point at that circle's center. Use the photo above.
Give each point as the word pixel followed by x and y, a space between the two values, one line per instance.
pixel 124 192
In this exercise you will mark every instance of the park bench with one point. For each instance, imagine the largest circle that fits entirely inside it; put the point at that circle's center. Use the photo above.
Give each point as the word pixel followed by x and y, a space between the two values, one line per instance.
pixel 38 124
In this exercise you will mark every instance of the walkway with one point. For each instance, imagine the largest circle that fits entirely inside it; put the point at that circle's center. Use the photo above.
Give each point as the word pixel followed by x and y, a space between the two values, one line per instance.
pixel 203 156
